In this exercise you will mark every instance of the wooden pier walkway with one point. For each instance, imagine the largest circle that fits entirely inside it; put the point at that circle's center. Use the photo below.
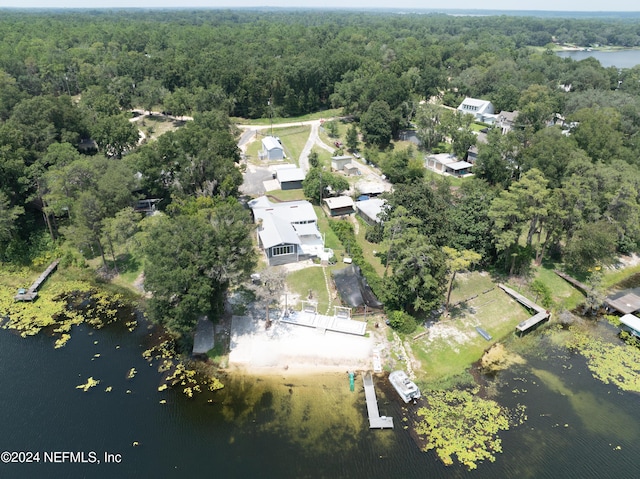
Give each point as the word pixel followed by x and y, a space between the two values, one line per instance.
pixel 32 292
pixel 540 316
pixel 583 288
pixel 375 420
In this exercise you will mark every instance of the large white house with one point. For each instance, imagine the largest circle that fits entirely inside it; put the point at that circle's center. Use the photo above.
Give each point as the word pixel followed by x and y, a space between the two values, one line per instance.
pixel 287 231
pixel 482 110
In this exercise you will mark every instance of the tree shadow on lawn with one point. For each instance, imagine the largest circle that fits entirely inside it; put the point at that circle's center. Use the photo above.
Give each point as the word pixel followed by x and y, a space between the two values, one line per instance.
pixel 127 263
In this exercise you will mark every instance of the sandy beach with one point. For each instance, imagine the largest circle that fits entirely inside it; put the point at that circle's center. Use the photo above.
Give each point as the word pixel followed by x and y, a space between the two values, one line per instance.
pixel 293 349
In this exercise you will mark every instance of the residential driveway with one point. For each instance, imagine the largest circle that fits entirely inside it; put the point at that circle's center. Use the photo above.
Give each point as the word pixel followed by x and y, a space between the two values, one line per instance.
pixel 254 178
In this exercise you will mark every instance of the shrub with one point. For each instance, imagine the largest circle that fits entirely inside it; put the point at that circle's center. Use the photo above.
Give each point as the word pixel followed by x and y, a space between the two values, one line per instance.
pixel 402 321
pixel 543 293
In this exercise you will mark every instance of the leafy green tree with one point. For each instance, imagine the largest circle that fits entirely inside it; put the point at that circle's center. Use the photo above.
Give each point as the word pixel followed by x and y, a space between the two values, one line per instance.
pixel 352 138
pixel 402 166
pixel 192 259
pixel 376 124
pixel 314 161
pixel 598 133
pixel 428 120
pixel 419 275
pixel 471 227
pixel 593 244
pixel 537 105
pixel 331 127
pixel 8 217
pixel 457 260
pixel 10 94
pixel 522 208
pixel 428 205
pixel 403 322
pixel 496 161
pixel 317 184
pixel 114 135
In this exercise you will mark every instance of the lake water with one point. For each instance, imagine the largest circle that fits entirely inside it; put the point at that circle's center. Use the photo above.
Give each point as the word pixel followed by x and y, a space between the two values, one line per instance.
pixel 618 59
pixel 284 428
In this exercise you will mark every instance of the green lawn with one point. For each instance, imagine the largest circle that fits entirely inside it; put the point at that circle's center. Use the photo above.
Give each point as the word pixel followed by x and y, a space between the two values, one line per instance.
pixel 267 121
pixel 287 195
pixel 451 353
pixel 293 140
pixel 330 238
pixel 611 277
pixel 369 248
pixel 300 282
pixel 564 295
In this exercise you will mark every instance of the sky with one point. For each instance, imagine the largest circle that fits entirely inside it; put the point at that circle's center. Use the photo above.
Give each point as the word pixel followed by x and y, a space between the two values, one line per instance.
pixel 564 5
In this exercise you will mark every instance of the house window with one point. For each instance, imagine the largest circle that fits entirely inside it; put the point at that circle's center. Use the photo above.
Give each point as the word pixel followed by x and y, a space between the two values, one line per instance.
pixel 282 250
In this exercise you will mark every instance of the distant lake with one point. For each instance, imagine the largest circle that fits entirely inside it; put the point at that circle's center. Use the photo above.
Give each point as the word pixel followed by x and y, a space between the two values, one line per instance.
pixel 618 59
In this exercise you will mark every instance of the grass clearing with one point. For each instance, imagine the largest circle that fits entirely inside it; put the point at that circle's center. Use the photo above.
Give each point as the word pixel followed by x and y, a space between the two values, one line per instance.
pixel 368 249
pixel 330 238
pixel 611 277
pixel 277 121
pixel 564 295
pixel 452 344
pixel 310 279
pixel 293 140
pixel 155 126
pixel 287 195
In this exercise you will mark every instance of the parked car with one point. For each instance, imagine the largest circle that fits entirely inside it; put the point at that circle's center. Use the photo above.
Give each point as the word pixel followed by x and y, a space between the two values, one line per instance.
pixel 338 144
pixel 356 154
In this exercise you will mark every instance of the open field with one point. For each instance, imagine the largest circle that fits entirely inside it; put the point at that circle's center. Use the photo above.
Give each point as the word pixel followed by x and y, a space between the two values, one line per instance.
pixel 293 140
pixel 267 121
pixel 451 344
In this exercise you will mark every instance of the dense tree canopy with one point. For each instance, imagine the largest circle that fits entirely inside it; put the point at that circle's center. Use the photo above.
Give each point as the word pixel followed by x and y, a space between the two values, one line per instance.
pixel 70 77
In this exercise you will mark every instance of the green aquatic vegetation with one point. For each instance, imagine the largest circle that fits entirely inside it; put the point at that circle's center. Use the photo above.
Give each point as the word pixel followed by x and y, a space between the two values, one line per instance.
pixel 89 384
pixel 189 378
pixel 459 423
pixel 60 306
pixel 610 363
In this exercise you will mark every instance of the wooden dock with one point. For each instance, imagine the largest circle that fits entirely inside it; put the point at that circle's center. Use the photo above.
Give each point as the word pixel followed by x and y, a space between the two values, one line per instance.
pixel 541 313
pixel 375 420
pixel 32 292
pixel 583 288
pixel 625 302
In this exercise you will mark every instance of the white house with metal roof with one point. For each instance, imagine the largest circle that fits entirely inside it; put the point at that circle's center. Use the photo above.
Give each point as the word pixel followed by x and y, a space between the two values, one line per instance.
pixel 271 149
pixel 447 164
pixel 287 231
pixel 482 110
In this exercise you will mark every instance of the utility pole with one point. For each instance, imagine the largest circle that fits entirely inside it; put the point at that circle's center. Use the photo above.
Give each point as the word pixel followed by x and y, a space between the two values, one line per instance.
pixel 270 113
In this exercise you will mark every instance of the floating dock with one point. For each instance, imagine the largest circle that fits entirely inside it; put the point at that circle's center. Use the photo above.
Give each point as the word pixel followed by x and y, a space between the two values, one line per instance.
pixel 540 316
pixel 375 420
pixel 32 292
